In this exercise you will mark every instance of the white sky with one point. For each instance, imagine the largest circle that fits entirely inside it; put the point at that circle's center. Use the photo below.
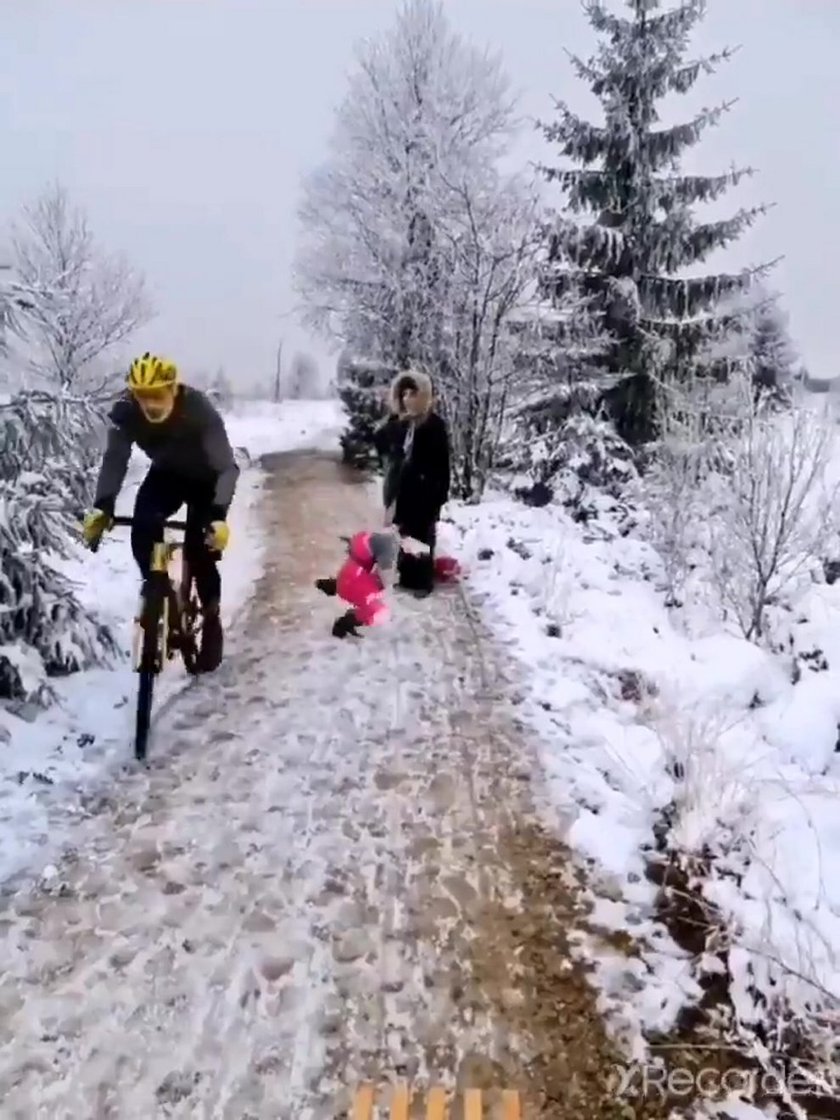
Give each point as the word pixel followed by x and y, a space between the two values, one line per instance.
pixel 184 127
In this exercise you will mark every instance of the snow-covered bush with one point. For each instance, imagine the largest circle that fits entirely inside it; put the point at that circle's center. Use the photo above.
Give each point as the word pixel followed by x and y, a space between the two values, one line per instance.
pixel 724 899
pixel 740 490
pixel 49 450
pixel 568 457
pixel 678 467
pixel 39 430
pixel 774 512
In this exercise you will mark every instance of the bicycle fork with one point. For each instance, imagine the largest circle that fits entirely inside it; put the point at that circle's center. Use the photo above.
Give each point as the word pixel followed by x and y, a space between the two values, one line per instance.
pixel 161 556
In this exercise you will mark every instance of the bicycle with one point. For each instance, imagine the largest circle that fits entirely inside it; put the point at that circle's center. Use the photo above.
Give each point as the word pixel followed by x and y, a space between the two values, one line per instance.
pixel 167 623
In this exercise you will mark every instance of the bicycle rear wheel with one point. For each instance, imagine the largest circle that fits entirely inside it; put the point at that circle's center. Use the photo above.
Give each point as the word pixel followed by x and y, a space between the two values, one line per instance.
pixel 184 621
pixel 185 604
pixel 153 641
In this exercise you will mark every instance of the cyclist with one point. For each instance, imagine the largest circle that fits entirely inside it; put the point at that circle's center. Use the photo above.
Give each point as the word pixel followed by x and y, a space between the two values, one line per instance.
pixel 192 464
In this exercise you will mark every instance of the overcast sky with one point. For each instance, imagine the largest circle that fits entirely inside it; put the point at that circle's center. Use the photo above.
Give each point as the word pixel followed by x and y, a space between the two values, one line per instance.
pixel 184 127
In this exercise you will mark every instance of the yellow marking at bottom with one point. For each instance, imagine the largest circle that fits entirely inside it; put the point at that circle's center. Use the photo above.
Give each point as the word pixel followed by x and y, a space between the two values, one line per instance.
pixel 472 1104
pixel 400 1102
pixel 436 1109
pixel 363 1107
pixel 436 1104
pixel 510 1105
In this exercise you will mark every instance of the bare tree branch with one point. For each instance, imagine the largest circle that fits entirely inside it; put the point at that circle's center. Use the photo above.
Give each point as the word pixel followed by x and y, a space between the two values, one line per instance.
pixel 89 301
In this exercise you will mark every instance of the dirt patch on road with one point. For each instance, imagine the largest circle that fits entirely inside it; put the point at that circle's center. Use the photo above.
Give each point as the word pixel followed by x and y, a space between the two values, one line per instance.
pixel 310 502
pixel 474 900
pixel 519 899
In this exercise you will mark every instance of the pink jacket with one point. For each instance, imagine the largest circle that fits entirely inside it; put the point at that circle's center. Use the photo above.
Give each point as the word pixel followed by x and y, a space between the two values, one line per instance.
pixel 359 584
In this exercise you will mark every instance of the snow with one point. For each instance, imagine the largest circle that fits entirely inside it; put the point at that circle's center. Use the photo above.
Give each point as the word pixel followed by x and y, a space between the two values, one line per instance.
pixel 294 897
pixel 59 756
pixel 264 427
pixel 637 713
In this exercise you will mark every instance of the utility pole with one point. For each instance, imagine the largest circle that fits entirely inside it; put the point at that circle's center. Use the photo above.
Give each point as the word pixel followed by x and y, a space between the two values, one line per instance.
pixel 278 371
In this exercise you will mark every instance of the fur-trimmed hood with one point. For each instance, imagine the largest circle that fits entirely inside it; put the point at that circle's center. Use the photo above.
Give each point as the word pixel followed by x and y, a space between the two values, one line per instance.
pixel 409 379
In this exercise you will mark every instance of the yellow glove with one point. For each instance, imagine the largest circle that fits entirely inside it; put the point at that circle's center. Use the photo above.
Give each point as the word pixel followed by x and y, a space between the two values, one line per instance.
pixel 95 523
pixel 218 536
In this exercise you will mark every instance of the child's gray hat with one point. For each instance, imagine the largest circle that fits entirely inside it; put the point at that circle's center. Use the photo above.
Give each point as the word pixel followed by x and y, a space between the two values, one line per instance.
pixel 384 548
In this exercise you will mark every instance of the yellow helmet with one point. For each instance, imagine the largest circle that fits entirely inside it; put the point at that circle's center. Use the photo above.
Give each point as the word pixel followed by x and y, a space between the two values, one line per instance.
pixel 151 372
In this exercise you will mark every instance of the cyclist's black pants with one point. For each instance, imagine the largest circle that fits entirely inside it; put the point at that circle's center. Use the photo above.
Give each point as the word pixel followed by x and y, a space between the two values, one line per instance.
pixel 159 498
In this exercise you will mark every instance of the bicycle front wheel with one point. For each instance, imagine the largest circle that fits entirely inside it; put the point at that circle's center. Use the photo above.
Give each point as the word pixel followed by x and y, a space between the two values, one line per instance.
pixel 145 694
pixel 153 624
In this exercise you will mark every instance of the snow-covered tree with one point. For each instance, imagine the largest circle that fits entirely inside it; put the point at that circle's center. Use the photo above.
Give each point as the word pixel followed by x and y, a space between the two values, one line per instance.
pixel 16 300
pixel 558 422
pixel 104 377
pixel 303 378
pixel 489 243
pixel 423 107
pixel 362 385
pixel 633 257
pixel 220 389
pixel 6 307
pixel 49 452
pixel 771 348
pixel 50 447
pixel 90 301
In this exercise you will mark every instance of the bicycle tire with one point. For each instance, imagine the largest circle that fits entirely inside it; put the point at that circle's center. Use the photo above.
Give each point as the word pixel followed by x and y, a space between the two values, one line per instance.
pixel 145 696
pixel 184 619
pixel 187 613
pixel 151 660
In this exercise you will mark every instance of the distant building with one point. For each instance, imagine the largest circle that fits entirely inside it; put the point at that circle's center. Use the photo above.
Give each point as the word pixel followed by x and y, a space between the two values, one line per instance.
pixel 820 384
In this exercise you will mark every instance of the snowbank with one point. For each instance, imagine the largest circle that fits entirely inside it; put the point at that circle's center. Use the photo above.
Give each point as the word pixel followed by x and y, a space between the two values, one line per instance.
pixel 48 762
pixel 264 426
pixel 641 721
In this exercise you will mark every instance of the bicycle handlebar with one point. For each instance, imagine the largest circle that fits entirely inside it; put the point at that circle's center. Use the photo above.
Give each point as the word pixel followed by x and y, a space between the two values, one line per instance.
pixel 129 521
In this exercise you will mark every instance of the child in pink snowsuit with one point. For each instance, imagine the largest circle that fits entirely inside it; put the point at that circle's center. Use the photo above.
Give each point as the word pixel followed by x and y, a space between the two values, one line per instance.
pixel 359 582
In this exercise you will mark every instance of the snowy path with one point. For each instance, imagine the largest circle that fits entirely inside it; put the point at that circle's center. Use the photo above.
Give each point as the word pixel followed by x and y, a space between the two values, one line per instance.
pixel 331 872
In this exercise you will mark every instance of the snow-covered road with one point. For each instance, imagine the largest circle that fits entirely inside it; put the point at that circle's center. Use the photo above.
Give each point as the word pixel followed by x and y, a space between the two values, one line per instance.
pixel 331 872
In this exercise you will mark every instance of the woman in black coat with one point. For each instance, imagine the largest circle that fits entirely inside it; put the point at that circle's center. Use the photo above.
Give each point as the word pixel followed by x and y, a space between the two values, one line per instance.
pixel 414 442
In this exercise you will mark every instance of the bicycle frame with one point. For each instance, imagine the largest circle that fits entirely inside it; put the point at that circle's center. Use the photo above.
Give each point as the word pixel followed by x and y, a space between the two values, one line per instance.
pixel 163 552
pixel 153 645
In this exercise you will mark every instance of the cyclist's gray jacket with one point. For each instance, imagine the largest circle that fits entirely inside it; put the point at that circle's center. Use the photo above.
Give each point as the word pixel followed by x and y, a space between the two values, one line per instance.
pixel 191 443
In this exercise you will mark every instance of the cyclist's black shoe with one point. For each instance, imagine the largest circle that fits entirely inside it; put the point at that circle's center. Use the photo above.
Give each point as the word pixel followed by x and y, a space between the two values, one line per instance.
pixel 212 640
pixel 346 625
pixel 328 586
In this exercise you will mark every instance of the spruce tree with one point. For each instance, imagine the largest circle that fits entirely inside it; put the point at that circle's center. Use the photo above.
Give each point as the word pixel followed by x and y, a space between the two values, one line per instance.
pixel 630 260
pixel 362 388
